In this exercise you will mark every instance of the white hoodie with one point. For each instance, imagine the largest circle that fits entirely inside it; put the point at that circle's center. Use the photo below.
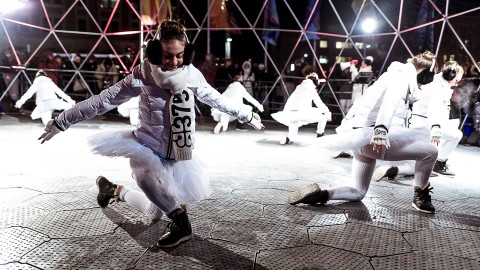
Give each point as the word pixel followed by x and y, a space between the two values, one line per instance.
pixel 387 97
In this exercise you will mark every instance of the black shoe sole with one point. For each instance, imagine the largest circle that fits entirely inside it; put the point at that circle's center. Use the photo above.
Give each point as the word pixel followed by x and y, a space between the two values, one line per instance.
pixel 422 210
pixel 178 242
pixel 297 196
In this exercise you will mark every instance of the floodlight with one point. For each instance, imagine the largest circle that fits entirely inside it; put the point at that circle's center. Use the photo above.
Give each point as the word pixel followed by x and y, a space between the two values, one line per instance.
pixel 8 6
pixel 369 25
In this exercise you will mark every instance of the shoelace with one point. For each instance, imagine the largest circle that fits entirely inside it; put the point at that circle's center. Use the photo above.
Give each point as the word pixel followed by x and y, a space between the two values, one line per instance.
pixel 171 226
pixel 424 194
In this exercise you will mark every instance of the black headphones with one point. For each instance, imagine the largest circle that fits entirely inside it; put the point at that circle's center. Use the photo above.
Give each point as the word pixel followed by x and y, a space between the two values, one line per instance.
pixel 153 50
pixel 426 75
pixel 451 73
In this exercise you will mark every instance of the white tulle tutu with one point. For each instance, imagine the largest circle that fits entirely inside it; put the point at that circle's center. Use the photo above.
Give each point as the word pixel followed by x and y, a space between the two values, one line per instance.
pixel 187 180
pixel 355 139
pixel 298 118
pixel 48 105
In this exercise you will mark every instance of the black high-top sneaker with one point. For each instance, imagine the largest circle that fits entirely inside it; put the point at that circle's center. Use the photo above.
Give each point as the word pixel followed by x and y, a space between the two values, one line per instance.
pixel 106 191
pixel 441 167
pixel 180 229
pixel 422 201
pixel 311 194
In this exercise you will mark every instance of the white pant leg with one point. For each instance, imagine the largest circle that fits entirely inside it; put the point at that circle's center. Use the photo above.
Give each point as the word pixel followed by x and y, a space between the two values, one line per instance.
pixel 292 132
pixel 424 154
pixel 146 170
pixel 451 136
pixel 224 119
pixel 139 201
pixel 321 124
pixel 362 171
pixel 46 117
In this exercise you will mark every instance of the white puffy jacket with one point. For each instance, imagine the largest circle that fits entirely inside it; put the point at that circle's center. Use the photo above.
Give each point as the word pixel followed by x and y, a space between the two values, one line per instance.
pixel 153 127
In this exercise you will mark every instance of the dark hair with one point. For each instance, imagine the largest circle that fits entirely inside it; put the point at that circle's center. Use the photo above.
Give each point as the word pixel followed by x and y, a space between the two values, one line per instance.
pixel 171 29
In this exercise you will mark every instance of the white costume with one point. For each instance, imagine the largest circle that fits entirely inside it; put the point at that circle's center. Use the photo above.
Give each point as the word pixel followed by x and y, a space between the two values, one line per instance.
pixel 386 99
pixel 47 99
pixel 130 110
pixel 235 92
pixel 165 179
pixel 358 88
pixel 433 108
pixel 298 110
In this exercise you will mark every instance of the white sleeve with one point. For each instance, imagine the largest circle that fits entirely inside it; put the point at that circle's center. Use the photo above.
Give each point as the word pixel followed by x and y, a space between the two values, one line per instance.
pixel 318 102
pixel 249 98
pixel 396 90
pixel 210 96
pixel 60 93
pixel 30 92
pixel 434 107
pixel 353 71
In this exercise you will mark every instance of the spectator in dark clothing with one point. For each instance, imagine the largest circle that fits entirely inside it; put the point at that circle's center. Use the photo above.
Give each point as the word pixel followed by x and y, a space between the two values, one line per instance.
pixel 224 75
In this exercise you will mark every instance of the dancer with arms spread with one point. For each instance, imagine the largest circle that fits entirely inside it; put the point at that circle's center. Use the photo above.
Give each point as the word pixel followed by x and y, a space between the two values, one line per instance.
pixel 160 149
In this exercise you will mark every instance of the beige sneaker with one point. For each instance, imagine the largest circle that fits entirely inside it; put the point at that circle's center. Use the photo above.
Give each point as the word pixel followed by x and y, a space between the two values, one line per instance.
pixel 217 128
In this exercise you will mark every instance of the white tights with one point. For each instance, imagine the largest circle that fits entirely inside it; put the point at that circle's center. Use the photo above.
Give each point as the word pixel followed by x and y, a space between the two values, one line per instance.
pixel 424 154
pixel 155 199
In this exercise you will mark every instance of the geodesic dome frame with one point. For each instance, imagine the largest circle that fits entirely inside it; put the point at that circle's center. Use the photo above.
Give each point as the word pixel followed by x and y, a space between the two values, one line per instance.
pixel 405 28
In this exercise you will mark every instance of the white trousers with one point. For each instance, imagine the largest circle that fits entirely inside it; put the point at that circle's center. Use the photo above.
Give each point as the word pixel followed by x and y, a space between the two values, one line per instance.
pixel 293 128
pixel 364 160
pixel 451 135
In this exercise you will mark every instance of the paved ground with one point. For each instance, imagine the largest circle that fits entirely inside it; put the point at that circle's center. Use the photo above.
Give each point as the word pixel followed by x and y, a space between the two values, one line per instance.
pixel 50 220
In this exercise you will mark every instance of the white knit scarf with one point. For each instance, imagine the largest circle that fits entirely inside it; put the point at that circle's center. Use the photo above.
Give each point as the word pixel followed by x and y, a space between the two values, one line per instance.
pixel 182 114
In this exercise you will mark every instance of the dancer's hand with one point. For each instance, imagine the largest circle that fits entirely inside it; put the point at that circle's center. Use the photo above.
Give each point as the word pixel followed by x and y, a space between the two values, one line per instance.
pixel 435 135
pixel 260 108
pixel 380 138
pixel 50 130
pixel 255 122
pixel 19 104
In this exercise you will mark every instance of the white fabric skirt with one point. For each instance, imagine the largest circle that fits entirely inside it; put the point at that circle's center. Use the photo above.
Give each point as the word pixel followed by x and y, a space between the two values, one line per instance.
pixel 187 180
pixel 49 105
pixel 298 118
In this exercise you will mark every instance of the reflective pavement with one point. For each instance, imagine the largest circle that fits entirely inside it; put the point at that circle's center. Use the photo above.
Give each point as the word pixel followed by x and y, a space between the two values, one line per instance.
pixel 50 219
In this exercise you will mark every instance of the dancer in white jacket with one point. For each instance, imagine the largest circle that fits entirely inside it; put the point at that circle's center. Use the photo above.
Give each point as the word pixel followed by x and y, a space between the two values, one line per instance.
pixel 236 92
pixel 160 149
pixel 298 110
pixel 48 98
pixel 359 88
pixel 431 114
pixel 374 137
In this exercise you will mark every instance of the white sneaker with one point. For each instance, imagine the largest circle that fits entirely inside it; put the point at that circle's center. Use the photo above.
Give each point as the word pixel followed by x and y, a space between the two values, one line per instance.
pixel 217 128
pixel 385 171
pixel 284 140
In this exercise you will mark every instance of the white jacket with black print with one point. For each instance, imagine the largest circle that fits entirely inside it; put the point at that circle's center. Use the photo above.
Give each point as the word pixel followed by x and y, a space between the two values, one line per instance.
pixel 153 127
